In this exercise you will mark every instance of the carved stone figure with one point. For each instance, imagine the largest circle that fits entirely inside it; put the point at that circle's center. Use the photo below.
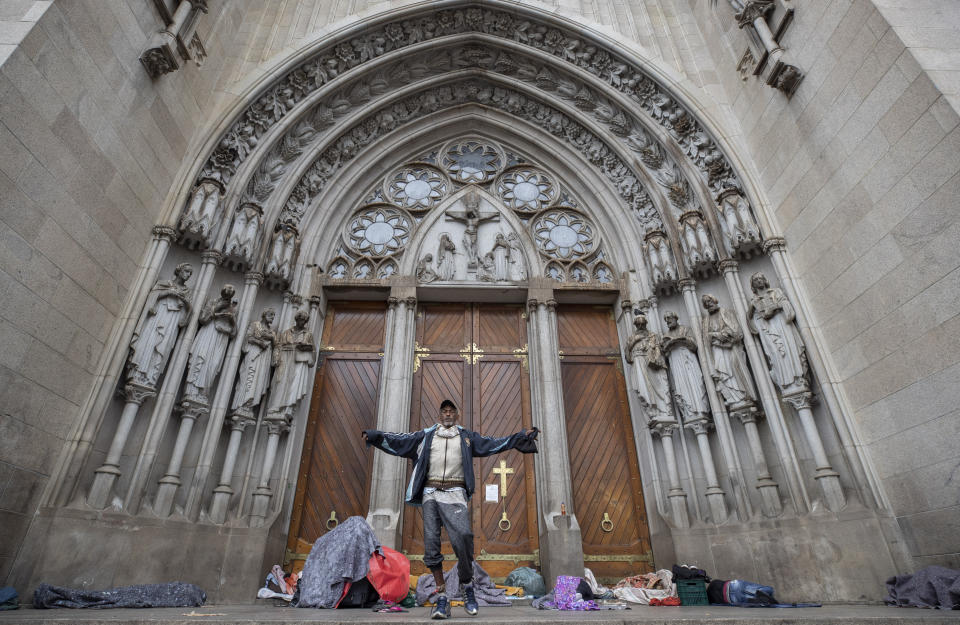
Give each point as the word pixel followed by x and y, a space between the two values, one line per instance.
pixel 242 241
pixel 294 358
pixel 518 270
pixel 723 337
pixel 656 250
pixel 644 351
pixel 772 320
pixel 283 253
pixel 695 241
pixel 218 323
pixel 165 312
pixel 739 229
pixel 446 258
pixel 425 272
pixel 689 393
pixel 200 216
pixel 472 217
pixel 501 258
pixel 254 374
pixel 487 271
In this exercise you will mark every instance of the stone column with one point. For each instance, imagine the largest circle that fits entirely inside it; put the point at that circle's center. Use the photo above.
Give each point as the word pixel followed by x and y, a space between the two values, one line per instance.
pixel 766 486
pixel 676 495
pixel 218 410
pixel 718 507
pixel 223 491
pixel 190 411
pixel 720 418
pixel 263 492
pixel 393 415
pixel 561 546
pixel 134 395
pixel 768 398
pixel 210 259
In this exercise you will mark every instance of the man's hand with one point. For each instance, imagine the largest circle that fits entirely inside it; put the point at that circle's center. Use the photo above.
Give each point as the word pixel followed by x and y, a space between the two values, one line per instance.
pixel 363 435
pixel 532 433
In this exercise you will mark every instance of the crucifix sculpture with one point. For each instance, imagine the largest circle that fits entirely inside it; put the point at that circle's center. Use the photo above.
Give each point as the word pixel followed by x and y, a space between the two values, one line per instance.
pixel 472 217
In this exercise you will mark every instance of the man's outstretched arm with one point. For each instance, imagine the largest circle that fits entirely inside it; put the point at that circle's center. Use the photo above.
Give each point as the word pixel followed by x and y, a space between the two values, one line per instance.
pixel 403 444
pixel 523 441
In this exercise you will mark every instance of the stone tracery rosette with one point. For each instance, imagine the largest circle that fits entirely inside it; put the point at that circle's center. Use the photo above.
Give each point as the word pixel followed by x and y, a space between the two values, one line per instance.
pixel 526 190
pixel 417 188
pixel 472 161
pixel 563 234
pixel 379 231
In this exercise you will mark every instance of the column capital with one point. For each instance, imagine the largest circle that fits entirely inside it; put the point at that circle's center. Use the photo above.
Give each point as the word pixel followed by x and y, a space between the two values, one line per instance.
pixel 239 421
pixel 164 232
pixel 314 302
pixel 532 304
pixel 211 256
pixel 137 393
pixel 626 305
pixel 687 284
pixel 746 412
pixel 728 265
pixel 392 302
pixel 699 426
pixel 551 305
pixel 662 428
pixel 411 302
pixel 253 277
pixel 277 426
pixel 774 244
pixel 801 400
pixel 194 407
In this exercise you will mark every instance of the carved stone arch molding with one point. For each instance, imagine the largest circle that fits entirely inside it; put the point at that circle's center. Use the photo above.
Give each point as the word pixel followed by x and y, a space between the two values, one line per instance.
pixel 361 184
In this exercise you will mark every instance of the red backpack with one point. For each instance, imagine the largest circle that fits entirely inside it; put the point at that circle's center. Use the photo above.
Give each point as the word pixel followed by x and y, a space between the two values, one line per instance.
pixel 390 574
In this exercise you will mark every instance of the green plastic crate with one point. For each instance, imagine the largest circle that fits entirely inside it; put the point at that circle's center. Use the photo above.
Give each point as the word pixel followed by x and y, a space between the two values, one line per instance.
pixel 692 592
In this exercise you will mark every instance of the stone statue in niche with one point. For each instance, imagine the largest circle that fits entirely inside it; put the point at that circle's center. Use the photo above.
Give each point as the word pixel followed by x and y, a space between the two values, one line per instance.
pixel 283 252
pixel 739 229
pixel 200 215
pixel 446 258
pixel 487 271
pixel 218 324
pixel 659 260
pixel 294 358
pixel 472 216
pixel 772 319
pixel 254 375
pixel 242 241
pixel 518 271
pixel 722 333
pixel 425 272
pixel 645 353
pixel 165 312
pixel 501 258
pixel 689 393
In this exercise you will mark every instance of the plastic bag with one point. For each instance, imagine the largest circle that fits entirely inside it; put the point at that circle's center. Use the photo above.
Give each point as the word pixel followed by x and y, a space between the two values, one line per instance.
pixel 528 579
pixel 390 574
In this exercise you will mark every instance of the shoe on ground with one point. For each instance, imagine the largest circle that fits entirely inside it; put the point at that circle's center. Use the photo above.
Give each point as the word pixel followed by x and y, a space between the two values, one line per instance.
pixel 470 600
pixel 442 609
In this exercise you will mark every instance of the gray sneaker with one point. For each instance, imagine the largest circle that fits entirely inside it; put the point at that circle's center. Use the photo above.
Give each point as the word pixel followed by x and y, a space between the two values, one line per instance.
pixel 442 609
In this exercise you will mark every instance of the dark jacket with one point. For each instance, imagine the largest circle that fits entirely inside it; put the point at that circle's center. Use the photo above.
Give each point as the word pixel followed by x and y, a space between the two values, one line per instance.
pixel 416 447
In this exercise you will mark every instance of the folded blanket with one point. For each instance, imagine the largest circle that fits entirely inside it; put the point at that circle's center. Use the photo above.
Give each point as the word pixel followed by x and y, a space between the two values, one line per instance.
pixel 171 595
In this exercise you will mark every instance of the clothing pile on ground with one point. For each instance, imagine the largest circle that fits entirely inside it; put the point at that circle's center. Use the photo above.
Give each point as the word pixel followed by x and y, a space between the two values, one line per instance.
pixel 279 585
pixel 576 593
pixel 347 567
pixel 9 599
pixel 486 592
pixel 645 588
pixel 171 595
pixel 930 587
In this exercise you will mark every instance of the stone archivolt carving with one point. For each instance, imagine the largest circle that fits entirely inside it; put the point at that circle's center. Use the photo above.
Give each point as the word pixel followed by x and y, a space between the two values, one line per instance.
pixel 698 253
pixel 164 314
pixel 772 320
pixel 278 269
pixel 342 56
pixel 244 238
pixel 741 236
pixel 659 260
pixel 218 324
pixel 201 215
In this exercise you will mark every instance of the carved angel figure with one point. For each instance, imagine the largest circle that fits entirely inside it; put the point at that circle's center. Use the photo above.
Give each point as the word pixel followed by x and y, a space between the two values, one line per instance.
pixel 255 368
pixel 218 323
pixel 200 214
pixel 242 241
pixel 446 259
pixel 294 358
pixel 772 320
pixel 282 253
pixel 644 352
pixel 723 338
pixel 487 271
pixel 739 228
pixel 425 272
pixel 689 393
pixel 164 313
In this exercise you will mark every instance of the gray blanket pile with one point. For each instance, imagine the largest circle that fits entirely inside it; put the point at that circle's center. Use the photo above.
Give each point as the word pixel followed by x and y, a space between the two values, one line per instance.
pixel 172 595
pixel 487 593
pixel 930 587
pixel 339 556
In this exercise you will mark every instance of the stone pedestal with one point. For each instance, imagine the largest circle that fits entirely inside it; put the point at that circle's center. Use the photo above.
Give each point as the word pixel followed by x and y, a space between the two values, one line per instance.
pixel 561 548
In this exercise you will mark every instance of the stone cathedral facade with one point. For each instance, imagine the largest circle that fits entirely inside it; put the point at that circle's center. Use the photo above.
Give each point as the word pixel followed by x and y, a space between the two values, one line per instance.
pixel 709 249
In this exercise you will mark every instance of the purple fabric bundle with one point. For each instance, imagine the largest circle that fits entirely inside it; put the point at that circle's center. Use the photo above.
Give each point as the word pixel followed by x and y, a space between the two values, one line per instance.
pixel 565 595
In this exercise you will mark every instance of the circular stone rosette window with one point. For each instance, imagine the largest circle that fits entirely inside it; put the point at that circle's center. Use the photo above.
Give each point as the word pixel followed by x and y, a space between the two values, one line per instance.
pixel 526 190
pixel 379 230
pixel 471 161
pixel 417 188
pixel 563 234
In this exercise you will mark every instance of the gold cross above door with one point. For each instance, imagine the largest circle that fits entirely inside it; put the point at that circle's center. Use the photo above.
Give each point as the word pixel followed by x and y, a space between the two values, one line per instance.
pixel 503 470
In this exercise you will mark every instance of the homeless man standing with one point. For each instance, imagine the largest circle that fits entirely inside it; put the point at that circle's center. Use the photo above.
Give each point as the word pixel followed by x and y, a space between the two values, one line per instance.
pixel 442 482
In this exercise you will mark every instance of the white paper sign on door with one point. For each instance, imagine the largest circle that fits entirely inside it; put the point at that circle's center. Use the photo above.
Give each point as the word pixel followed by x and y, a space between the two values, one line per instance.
pixel 492 493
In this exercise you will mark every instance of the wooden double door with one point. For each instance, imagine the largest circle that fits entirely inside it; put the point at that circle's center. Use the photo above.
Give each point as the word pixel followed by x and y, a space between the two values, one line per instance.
pixel 476 356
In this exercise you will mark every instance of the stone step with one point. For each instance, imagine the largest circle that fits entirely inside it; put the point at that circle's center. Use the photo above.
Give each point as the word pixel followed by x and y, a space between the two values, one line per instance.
pixel 513 615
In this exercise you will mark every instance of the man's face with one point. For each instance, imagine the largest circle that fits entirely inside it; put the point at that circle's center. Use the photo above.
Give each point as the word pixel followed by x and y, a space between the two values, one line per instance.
pixel 448 416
